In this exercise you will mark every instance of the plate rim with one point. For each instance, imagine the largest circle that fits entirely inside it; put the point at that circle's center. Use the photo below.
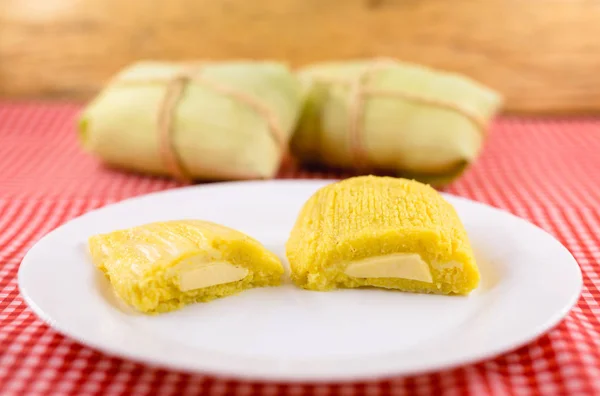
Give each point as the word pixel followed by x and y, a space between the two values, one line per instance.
pixel 117 352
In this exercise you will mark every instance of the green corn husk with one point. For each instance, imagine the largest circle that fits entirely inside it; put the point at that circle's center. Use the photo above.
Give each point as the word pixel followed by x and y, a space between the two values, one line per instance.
pixel 215 136
pixel 401 136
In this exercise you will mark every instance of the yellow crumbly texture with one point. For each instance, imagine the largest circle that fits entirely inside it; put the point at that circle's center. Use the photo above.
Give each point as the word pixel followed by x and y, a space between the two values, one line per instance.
pixel 139 261
pixel 369 216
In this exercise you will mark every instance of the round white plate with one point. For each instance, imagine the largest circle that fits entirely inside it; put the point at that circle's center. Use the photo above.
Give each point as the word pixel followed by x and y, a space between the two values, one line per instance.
pixel 529 283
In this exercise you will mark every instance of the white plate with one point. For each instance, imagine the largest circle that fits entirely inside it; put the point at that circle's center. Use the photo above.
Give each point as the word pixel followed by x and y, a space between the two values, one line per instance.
pixel 529 283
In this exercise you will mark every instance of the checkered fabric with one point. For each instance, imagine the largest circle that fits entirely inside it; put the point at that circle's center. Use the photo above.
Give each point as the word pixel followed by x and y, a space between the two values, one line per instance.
pixel 546 171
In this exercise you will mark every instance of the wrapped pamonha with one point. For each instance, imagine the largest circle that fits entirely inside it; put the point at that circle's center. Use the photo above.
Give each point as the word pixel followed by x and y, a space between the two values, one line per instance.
pixel 392 117
pixel 195 121
pixel 163 266
pixel 382 232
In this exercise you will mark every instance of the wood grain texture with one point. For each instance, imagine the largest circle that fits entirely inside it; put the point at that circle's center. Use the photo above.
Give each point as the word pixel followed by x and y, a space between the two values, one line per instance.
pixel 543 55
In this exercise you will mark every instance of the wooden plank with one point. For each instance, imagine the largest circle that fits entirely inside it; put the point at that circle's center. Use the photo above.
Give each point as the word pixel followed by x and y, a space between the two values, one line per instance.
pixel 543 55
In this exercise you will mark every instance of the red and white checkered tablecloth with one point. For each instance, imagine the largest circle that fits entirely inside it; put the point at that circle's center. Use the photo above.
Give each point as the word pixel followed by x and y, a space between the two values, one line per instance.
pixel 546 171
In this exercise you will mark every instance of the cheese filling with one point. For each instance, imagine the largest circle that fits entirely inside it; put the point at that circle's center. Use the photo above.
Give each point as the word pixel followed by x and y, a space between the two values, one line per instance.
pixel 399 265
pixel 196 274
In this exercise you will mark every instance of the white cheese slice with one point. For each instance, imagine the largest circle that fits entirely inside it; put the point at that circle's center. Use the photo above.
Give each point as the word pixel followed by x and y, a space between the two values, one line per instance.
pixel 398 265
pixel 194 274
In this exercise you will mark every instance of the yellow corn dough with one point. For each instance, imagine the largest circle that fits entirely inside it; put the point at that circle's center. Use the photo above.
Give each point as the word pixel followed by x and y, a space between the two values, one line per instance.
pixel 383 232
pixel 163 266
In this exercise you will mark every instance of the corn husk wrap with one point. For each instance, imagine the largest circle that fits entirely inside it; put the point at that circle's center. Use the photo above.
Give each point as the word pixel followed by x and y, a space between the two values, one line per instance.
pixel 213 134
pixel 385 115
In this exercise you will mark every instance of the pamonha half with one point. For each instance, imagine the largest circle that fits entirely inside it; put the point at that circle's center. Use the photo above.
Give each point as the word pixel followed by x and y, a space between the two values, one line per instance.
pixel 163 266
pixel 382 232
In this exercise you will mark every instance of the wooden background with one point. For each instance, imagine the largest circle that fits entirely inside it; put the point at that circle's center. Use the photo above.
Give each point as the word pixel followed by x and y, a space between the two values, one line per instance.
pixel 544 55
